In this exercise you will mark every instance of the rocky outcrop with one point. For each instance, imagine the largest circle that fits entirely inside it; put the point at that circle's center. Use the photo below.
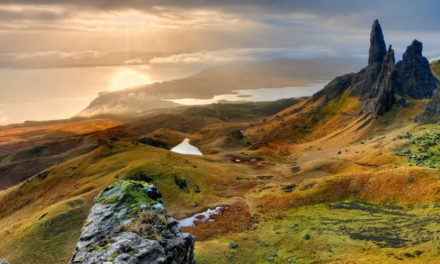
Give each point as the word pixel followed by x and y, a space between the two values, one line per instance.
pixel 382 83
pixel 414 77
pixel 431 113
pixel 129 224
pixel 377 44
pixel 381 97
pixel 2 261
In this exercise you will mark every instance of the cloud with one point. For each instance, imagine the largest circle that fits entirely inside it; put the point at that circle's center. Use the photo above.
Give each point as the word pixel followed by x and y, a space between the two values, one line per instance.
pixel 57 55
pixel 188 26
pixel 135 61
pixel 246 54
pixel 44 13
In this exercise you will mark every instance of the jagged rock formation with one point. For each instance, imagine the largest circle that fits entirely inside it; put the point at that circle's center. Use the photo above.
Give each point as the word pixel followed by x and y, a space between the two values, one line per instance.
pixel 381 97
pixel 128 224
pixel 382 83
pixel 414 75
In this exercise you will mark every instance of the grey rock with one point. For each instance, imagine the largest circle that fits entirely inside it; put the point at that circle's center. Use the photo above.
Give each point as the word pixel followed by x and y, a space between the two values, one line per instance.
pixel 377 44
pixel 413 74
pixel 381 97
pixel 2 261
pixel 104 239
pixel 431 113
pixel 153 193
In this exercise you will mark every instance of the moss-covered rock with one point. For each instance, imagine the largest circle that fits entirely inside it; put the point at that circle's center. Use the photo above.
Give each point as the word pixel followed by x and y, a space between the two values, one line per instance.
pixel 128 224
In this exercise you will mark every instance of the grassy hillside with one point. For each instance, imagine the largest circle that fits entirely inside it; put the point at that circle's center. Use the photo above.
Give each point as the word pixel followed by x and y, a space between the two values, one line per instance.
pixel 310 184
pixel 242 111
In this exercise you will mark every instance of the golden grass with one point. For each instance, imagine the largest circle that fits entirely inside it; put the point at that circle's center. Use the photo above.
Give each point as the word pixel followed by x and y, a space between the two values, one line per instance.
pixel 144 225
pixel 15 134
pixel 364 170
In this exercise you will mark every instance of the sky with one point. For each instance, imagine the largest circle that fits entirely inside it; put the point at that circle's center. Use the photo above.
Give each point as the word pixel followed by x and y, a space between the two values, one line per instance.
pixel 37 33
pixel 172 39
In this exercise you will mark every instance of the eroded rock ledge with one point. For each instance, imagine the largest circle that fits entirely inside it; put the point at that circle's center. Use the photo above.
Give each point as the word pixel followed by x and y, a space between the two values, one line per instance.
pixel 129 224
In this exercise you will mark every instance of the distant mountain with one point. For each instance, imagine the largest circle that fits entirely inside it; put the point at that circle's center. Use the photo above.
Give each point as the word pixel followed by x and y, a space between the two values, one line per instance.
pixel 218 80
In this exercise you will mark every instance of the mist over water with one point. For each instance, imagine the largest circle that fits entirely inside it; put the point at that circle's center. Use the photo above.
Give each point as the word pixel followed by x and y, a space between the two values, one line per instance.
pixel 256 95
pixel 56 93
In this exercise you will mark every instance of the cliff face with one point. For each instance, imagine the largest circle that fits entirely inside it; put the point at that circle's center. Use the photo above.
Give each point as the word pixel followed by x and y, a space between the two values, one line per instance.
pixel 381 97
pixel 414 75
pixel 382 83
pixel 128 224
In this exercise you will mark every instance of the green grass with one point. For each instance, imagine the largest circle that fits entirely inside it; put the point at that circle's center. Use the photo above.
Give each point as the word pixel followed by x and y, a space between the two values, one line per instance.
pixel 349 230
pixel 47 240
pixel 422 149
pixel 82 178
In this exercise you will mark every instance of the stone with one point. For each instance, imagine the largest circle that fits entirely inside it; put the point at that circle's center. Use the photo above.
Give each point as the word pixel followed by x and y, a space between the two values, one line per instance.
pixel 431 113
pixel 230 257
pixel 264 177
pixel 2 261
pixel 413 74
pixel 295 169
pixel 106 237
pixel 153 193
pixel 289 188
pixel 233 245
pixel 377 44
pixel 381 97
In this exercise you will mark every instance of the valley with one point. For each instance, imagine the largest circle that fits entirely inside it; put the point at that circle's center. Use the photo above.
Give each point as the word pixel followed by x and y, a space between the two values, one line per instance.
pixel 291 202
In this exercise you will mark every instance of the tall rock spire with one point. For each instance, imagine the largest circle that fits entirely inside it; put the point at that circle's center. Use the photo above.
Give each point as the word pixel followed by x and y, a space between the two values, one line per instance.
pixel 377 44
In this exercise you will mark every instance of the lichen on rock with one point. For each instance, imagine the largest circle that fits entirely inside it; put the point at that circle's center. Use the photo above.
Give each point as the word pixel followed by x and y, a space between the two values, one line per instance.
pixel 129 224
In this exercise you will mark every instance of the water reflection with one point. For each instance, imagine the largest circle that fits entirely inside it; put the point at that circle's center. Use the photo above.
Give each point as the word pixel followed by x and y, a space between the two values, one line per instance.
pixel 256 95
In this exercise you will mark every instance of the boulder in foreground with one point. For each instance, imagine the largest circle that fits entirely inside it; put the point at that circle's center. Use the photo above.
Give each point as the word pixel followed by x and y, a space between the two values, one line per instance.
pixel 128 224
